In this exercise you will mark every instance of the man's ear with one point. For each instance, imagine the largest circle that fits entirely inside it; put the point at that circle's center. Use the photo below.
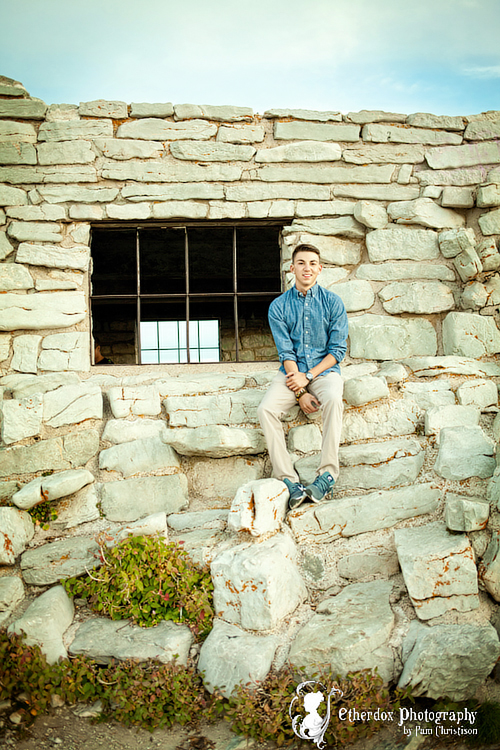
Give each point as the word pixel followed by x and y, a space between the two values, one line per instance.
pixel 292 268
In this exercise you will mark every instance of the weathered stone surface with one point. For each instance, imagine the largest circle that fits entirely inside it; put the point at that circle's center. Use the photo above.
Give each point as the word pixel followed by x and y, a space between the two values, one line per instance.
pixel 69 557
pixel 438 568
pixel 303 114
pixel 135 498
pixel 45 621
pixel 141 400
pixel 480 393
pixel 259 507
pixel 401 243
pixel 380 153
pixel 428 395
pixel 489 570
pixel 464 452
pixel 180 209
pixel 230 657
pixel 203 382
pixel 72 404
pixel 216 441
pixel 463 513
pixel 344 225
pixel 490 222
pixel 374 115
pixel 310 131
pixel 257 585
pixel 123 431
pixel 153 129
pixel 220 113
pixel 397 134
pixel 166 171
pixel 381 420
pixel 323 208
pixel 127 212
pixel 417 297
pixel 469 335
pixel 257 191
pixel 25 353
pixel 17 153
pixel 430 366
pixel 23 109
pixel 145 109
pixel 27 385
pixel 10 87
pixel 371 214
pixel 17 132
pixel 62 112
pixel 424 211
pixel 129 149
pixel 54 256
pixel 43 212
pixel 363 390
pixel 488 254
pixel 153 525
pixel 139 456
pixel 448 660
pixel 52 488
pixel 392 192
pixel 464 156
pixel 488 195
pixel 438 417
pixel 65 351
pixel 333 250
pixel 444 122
pixel 225 408
pixel 321 175
pixel 34 231
pixel 10 196
pixel 404 271
pixel 65 152
pixel 78 194
pixel 57 453
pixel 21 419
pixel 454 241
pixel 212 151
pixel 222 477
pixel 207 519
pixel 393 372
pixel 305 151
pixel 240 134
pixel 305 438
pixel 104 640
pixel 59 173
pixel 349 632
pixel 379 337
pixel 356 294
pixel 11 594
pixel 5 340
pixel 457 197
pixel 16 530
pixel 36 311
pixel 81 507
pixel 483 130
pixel 467 264
pixel 75 130
pixel 103 108
pixel 351 516
pixel 371 562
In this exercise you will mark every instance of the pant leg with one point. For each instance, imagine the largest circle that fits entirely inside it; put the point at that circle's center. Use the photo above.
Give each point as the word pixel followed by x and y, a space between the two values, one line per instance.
pixel 328 389
pixel 277 401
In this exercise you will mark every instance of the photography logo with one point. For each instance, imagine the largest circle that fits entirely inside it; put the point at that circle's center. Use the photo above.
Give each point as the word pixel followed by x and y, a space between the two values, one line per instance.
pixel 311 726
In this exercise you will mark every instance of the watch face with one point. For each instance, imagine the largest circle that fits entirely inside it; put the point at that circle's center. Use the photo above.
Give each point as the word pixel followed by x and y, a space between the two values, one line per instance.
pixel 309 376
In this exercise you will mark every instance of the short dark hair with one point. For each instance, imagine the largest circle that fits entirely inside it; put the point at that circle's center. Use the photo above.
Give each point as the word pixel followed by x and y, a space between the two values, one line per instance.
pixel 306 248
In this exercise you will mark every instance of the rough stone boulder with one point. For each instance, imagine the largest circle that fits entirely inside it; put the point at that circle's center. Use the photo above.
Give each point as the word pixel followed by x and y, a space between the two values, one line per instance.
pixel 62 559
pixel 448 660
pixel 139 456
pixel 259 507
pixel 16 530
pixel 464 452
pixel 231 657
pixel 489 569
pixel 52 488
pixel 349 632
pixel 135 498
pixel 257 585
pixel 216 441
pixel 464 513
pixel 11 594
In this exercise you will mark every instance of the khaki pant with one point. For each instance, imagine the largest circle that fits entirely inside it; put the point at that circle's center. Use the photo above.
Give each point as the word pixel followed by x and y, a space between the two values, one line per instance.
pixel 279 399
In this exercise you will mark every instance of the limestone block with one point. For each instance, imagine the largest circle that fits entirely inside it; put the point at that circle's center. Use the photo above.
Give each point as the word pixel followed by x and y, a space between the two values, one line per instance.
pixel 57 453
pixel 492 287
pixel 311 131
pixel 65 152
pixel 180 209
pixel 10 87
pixel 93 213
pixel 21 419
pixel 371 562
pixel 141 400
pixel 393 372
pixel 17 132
pixel 302 151
pixel 43 212
pixel 469 155
pixel 11 594
pixel 467 264
pixel 371 214
pixel 428 395
pixel 357 371
pixel 139 456
pixel 483 131
pixel 454 241
pixel 81 507
pixel 10 196
pixel 444 122
pixel 222 477
pixel 123 431
pixel 257 191
pixel 376 154
pixel 424 211
pixel 380 337
pixel 404 271
pixel 34 231
pixel 258 585
pixel 230 657
pixel 72 404
pixel 153 525
pixel 52 488
pixel 207 519
pixel 16 530
pixel 75 130
pixel 198 383
pixel 363 390
pixel 259 507
pixel 17 153
pixel 323 208
pixel 457 177
pixel 479 393
pixel 23 109
pixel 344 225
pixel 126 212
pixel 438 417
pixel 391 192
pixel 216 441
pixel 138 497
pixel 65 351
pixel 431 366
pixel 474 296
pixel 349 632
pixel 334 250
pixel 463 513
pixel 457 197
pixel 123 149
pixel 490 222
pixel 489 569
pixel 78 194
pixel 165 171
pixel 5 340
pixel 356 294
pixel 153 129
pixel 25 353
pixel 420 297
pixel 402 243
pixel 381 420
pixel 366 174
pixel 104 640
pixel 62 112
pixel 350 516
pixel 103 108
pixel 469 335
pixel 438 568
pixel 224 113
pixel 448 660
pixel 143 109
pixel 45 621
pixel 213 151
pixel 464 452
pixel 488 195
pixel 68 557
pixel 241 134
pixel 59 173
pixel 304 439
pixel 26 385
pixel 303 114
pixel 396 134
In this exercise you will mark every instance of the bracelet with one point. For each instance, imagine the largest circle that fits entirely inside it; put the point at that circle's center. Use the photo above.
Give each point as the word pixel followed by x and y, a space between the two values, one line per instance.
pixel 300 393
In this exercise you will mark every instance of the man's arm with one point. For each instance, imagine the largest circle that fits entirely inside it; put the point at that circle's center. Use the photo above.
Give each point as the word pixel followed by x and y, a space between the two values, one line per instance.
pixel 296 380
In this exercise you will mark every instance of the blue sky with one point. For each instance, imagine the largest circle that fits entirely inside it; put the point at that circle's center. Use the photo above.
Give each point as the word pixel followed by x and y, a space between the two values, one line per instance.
pixel 439 56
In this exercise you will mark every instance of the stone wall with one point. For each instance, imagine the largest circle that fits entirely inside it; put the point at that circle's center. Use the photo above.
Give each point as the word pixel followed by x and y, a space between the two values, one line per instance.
pixel 406 212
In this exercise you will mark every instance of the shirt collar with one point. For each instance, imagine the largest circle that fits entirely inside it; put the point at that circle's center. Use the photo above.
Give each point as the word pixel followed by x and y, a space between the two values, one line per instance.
pixel 312 292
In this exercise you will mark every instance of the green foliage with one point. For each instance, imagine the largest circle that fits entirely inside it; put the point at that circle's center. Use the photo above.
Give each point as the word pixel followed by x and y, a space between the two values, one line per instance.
pixel 148 580
pixel 487 724
pixel 43 513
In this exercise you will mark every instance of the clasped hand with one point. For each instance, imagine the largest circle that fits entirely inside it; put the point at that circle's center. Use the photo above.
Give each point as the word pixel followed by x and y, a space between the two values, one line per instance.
pixel 297 380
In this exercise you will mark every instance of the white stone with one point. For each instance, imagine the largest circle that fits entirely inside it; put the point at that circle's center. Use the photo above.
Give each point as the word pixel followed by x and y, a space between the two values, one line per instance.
pixel 483 130
pixel 17 132
pixel 139 456
pixel 464 452
pixel 45 621
pixel 405 174
pixel 474 296
pixel 103 108
pixel 428 395
pixel 402 243
pixel 155 524
pixel 72 404
pixel 65 351
pixel 376 154
pixel 220 113
pixel 371 214
pixel 138 401
pixel 211 151
pixel 216 441
pixel 488 196
pixel 54 256
pixel 490 222
pixel 450 415
pixel 21 419
pixel 44 212
pixel 123 149
pixel 404 271
pixel 469 335
pixel 344 225
pixel 75 130
pixel 78 194
pixel 424 211
pixel 5 340
pixel 34 231
pixel 392 192
pixel 378 174
pixel 66 152
pixel 146 109
pixel 16 530
pixel 333 250
pixel 127 212
pixel 52 488
pixel 397 134
pixel 303 114
pixel 241 134
pixel 81 507
pixel 257 191
pixel 11 595
pixel 123 431
pixel 311 131
pixel 37 311
pixel 457 197
pixel 308 209
pixel 138 497
pixel 423 367
pixel 463 513
pixel 381 420
pixel 381 337
pixel 304 439
pixel 454 241
pixel 468 155
pixel 25 353
pixel 420 297
pixel 259 507
pixel 442 122
pixel 467 264
pixel 393 372
pixel 303 151
pixel 480 393
pixel 153 129
pixel 222 477
pixel 360 391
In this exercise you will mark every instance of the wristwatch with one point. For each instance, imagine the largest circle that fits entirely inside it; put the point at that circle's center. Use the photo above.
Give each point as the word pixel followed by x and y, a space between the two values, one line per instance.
pixel 309 376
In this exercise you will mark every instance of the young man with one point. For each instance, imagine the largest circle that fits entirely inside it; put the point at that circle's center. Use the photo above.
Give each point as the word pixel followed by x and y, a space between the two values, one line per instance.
pixel 309 327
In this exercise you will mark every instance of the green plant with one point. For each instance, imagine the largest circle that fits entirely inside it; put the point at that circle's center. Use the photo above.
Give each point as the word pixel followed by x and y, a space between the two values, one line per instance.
pixel 43 513
pixel 148 580
pixel 487 724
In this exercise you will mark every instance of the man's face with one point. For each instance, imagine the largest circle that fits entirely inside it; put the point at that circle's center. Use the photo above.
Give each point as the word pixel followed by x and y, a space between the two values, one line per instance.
pixel 306 268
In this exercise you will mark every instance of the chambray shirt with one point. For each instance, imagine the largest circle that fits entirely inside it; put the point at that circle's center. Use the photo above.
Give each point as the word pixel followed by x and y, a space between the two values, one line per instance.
pixel 307 328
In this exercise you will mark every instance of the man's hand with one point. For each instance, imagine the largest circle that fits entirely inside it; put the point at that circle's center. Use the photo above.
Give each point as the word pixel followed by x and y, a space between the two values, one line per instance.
pixel 308 403
pixel 296 380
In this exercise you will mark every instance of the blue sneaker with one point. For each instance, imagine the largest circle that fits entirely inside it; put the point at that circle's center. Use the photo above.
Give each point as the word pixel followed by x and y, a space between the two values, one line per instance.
pixel 297 493
pixel 321 487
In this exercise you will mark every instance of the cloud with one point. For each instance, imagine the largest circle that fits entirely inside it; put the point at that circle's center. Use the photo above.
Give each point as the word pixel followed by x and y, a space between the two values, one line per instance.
pixel 486 71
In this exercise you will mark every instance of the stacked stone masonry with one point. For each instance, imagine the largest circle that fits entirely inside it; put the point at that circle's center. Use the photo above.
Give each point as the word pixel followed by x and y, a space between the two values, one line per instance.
pixel 406 213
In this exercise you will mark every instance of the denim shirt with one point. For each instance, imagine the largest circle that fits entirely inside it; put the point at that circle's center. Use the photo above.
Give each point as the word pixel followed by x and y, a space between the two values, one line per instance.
pixel 307 328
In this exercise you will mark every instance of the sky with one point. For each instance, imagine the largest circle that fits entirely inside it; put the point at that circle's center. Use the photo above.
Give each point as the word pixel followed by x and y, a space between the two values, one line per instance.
pixel 439 56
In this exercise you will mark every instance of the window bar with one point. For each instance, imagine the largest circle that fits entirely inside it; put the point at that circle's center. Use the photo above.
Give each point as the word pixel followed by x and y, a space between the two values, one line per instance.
pixel 186 265
pixel 235 297
pixel 138 264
